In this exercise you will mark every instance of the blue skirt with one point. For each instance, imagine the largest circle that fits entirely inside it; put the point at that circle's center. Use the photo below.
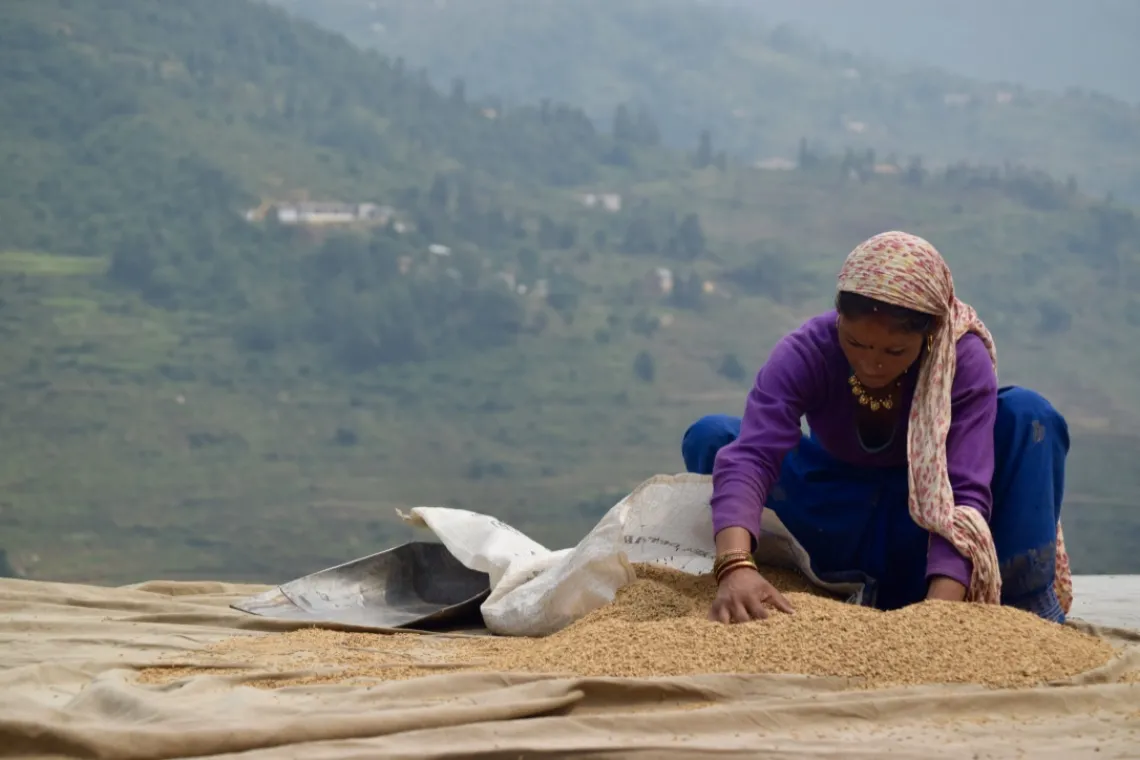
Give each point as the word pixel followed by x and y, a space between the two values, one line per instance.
pixel 855 522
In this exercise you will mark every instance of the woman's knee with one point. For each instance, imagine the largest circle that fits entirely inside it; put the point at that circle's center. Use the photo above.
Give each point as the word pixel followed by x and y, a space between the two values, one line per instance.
pixel 1025 409
pixel 705 437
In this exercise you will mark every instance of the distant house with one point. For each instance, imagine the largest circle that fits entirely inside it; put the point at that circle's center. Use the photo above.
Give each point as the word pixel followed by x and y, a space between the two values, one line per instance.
pixel 508 278
pixel 659 281
pixel 609 201
pixel 776 164
pixel 323 212
pixel 316 213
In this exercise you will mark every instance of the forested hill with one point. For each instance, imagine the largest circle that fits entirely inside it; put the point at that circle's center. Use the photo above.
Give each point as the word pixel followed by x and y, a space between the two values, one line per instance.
pixel 134 122
pixel 515 311
pixel 759 88
pixel 141 132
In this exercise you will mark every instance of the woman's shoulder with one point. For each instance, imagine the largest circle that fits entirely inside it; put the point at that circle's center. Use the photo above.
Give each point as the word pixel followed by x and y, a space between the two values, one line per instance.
pixel 975 368
pixel 802 364
pixel 809 350
pixel 815 341
pixel 819 331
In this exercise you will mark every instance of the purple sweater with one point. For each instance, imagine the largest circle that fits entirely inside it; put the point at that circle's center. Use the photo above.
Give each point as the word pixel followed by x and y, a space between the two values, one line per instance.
pixel 806 376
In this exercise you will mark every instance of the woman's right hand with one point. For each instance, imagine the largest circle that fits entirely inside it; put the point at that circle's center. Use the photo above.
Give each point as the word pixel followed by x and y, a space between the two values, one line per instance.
pixel 742 597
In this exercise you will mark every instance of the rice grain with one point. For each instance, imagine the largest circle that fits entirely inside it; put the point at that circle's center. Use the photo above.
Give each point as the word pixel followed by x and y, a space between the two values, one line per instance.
pixel 657 626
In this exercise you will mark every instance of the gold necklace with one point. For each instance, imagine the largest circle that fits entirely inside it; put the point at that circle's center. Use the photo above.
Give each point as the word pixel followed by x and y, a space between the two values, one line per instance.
pixel 866 399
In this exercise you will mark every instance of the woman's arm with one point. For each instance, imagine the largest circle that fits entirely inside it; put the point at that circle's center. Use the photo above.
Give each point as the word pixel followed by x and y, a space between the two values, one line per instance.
pixel 969 455
pixel 789 383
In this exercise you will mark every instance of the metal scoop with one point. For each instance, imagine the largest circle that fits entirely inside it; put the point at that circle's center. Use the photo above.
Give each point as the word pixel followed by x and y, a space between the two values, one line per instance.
pixel 414 585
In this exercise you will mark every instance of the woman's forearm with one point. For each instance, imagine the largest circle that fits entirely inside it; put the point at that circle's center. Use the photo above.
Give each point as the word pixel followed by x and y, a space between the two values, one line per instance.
pixel 733 539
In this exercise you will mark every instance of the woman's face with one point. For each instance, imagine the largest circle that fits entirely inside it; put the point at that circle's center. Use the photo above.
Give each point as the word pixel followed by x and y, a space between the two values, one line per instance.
pixel 877 349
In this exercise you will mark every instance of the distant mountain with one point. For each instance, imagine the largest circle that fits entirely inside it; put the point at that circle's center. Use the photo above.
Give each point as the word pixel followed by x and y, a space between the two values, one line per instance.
pixel 1047 44
pixel 760 88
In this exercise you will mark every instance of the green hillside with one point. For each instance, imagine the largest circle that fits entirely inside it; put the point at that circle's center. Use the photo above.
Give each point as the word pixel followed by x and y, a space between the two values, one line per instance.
pixel 190 393
pixel 702 65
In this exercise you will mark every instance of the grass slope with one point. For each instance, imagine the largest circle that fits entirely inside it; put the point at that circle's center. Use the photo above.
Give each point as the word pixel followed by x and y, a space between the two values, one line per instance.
pixel 144 437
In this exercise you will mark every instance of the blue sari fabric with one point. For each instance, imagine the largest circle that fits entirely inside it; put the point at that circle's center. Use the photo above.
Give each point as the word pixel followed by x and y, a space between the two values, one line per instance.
pixel 854 521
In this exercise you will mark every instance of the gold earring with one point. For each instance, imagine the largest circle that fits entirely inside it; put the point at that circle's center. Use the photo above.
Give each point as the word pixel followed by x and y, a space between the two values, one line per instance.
pixel 929 343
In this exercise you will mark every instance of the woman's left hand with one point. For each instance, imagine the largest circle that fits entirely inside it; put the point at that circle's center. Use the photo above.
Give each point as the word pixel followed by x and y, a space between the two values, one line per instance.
pixel 946 589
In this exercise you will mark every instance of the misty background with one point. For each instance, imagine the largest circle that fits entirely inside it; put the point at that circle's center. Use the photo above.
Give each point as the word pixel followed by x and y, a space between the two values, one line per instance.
pixel 271 271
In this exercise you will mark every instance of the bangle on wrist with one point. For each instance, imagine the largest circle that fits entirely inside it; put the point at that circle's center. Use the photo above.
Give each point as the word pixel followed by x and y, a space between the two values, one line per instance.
pixel 725 558
pixel 732 566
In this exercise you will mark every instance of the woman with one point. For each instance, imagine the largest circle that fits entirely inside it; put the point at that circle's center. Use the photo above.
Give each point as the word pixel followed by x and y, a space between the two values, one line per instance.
pixel 920 475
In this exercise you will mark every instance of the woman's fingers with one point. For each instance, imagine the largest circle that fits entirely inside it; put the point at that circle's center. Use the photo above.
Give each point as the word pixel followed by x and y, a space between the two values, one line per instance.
pixel 719 613
pixel 777 600
pixel 756 610
pixel 748 602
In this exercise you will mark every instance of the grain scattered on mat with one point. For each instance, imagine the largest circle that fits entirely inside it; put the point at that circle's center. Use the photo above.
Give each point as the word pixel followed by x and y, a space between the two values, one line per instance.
pixel 657 627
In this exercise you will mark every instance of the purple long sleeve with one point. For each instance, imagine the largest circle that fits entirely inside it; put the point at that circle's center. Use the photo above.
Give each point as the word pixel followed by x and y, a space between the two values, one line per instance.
pixel 806 376
pixel 790 384
pixel 969 450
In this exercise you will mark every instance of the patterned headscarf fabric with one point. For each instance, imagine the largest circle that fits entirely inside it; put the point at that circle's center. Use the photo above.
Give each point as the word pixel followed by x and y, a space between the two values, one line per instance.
pixel 904 270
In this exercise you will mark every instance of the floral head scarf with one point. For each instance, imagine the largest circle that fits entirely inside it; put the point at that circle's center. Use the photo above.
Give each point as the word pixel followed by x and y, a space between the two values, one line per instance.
pixel 904 270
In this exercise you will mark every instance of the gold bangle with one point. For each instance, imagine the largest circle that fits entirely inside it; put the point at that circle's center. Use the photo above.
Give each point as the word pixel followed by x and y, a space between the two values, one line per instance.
pixel 730 556
pixel 730 570
pixel 734 553
pixel 729 562
pixel 730 567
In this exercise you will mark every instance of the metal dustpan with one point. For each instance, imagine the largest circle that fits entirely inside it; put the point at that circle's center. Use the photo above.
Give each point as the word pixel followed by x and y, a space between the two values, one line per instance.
pixel 417 584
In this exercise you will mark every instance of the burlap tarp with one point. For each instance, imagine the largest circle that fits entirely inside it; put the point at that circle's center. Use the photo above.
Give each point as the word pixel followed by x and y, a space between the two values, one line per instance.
pixel 69 657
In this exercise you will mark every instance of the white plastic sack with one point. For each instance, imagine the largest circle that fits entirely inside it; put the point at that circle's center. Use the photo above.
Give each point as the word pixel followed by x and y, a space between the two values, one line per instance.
pixel 535 592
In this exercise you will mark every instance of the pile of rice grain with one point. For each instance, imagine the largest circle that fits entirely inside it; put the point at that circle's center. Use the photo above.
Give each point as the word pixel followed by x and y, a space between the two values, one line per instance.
pixel 657 626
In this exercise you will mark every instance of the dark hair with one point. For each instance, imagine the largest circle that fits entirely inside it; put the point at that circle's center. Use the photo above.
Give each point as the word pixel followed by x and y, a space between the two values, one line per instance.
pixel 854 306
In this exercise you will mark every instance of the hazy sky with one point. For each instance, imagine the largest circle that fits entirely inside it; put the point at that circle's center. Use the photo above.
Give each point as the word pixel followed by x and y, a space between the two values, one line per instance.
pixel 1042 43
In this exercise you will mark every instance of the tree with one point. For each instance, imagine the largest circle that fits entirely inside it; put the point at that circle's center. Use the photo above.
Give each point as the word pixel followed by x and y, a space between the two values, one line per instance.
pixel 645 129
pixel 6 569
pixel 704 157
pixel 459 91
pixel 438 195
pixel 690 237
pixel 466 208
pixel 915 173
pixel 644 368
pixel 688 292
pixel 806 157
pixel 624 130
pixel 133 262
pixel 554 235
pixel 639 237
pixel 528 263
pixel 1054 318
pixel 731 369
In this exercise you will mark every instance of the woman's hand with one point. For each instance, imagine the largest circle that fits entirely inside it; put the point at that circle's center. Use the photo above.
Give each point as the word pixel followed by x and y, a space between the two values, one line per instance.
pixel 741 597
pixel 945 589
